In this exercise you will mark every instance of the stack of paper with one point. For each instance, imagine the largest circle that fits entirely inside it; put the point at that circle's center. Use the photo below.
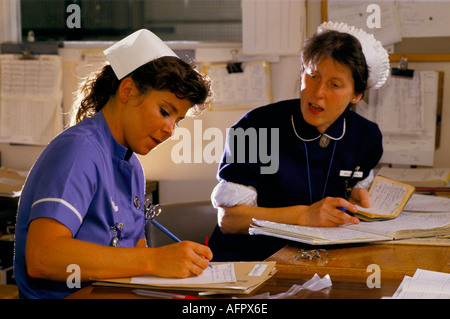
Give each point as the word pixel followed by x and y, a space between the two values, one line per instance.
pixel 424 284
pixel 225 278
pixel 419 177
pixel 11 182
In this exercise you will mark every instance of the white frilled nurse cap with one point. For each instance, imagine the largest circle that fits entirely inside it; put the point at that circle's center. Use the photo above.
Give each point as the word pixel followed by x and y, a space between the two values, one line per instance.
pixel 134 51
pixel 376 56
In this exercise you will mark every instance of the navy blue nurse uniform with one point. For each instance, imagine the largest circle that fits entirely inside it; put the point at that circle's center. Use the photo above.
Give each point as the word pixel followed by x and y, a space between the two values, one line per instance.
pixel 88 182
pixel 355 144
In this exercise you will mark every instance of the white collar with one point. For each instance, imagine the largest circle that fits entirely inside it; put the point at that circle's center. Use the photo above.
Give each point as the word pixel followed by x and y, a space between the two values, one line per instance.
pixel 320 135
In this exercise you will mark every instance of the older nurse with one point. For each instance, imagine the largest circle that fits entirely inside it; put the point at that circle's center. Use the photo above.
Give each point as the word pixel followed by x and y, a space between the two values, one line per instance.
pixel 326 151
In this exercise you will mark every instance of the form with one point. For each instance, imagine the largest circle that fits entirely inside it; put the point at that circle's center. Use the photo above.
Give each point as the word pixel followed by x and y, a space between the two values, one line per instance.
pixel 215 274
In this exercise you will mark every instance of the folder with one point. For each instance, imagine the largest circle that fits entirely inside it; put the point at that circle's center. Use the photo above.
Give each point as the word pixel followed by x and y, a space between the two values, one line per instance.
pixel 248 277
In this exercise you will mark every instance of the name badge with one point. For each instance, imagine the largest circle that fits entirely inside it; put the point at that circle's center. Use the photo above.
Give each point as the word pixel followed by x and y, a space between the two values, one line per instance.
pixel 357 174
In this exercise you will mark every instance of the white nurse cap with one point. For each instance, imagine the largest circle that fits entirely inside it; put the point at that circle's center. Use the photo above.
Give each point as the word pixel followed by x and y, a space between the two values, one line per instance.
pixel 134 51
pixel 376 56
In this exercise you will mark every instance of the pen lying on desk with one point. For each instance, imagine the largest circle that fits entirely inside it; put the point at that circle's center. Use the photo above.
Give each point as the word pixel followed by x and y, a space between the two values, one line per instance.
pixel 159 294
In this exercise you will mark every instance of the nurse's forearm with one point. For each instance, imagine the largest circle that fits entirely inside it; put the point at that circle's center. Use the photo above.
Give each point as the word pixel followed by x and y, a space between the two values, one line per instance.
pixel 324 213
pixel 237 219
pixel 51 249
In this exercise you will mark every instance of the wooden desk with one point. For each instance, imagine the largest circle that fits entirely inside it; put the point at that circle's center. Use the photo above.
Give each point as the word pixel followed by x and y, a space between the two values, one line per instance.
pixel 347 267
pixel 350 263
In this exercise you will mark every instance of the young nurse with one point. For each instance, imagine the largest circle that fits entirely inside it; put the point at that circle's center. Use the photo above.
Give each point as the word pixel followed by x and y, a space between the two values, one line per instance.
pixel 83 201
pixel 324 148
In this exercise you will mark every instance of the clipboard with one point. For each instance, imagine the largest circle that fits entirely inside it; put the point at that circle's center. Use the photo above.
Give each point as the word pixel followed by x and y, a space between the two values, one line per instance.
pixel 248 88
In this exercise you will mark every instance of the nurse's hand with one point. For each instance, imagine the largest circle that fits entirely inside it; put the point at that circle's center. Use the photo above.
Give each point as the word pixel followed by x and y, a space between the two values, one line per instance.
pixel 360 196
pixel 327 213
pixel 180 260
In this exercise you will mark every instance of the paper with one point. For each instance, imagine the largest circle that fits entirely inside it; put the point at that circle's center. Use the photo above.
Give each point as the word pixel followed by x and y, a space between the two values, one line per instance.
pixel 424 284
pixel 387 198
pixel 425 177
pixel 314 284
pixel 245 278
pixel 424 18
pixel 31 99
pixel 406 112
pixel 214 274
pixel 411 224
pixel 11 182
pixel 400 105
pixel 354 13
pixel 273 26
pixel 427 203
pixel 249 88
pixel 406 225
pixel 313 235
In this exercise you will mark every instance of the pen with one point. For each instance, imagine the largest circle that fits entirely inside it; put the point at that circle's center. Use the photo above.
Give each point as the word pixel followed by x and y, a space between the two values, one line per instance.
pixel 165 231
pixel 159 294
pixel 345 210
pixel 168 233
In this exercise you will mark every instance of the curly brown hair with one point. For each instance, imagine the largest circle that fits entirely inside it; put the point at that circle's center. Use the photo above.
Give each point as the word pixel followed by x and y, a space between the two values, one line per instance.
pixel 165 73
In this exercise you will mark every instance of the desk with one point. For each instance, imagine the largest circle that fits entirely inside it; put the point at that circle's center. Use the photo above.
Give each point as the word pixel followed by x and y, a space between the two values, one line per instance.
pixel 347 267
pixel 350 263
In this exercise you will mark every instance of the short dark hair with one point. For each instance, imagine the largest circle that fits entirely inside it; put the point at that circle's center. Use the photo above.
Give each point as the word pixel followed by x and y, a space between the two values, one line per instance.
pixel 343 48
pixel 165 73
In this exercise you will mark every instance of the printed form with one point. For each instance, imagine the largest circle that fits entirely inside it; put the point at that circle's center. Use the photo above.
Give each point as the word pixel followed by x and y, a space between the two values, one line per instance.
pixel 214 274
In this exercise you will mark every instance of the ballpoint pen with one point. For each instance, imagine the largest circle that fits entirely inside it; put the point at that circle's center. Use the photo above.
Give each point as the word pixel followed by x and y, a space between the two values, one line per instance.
pixel 159 294
pixel 165 230
pixel 168 233
pixel 345 210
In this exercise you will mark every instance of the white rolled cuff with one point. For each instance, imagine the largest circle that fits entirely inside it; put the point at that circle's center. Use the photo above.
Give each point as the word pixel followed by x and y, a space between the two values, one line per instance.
pixel 229 194
pixel 365 183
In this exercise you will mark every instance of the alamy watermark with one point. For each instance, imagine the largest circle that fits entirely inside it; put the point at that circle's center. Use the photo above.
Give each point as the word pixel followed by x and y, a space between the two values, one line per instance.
pixel 74 279
pixel 249 145
pixel 374 280
pixel 74 18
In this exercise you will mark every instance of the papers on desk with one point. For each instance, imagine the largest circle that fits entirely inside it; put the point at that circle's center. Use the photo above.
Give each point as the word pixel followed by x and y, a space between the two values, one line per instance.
pixel 423 177
pixel 424 284
pixel 214 274
pixel 406 225
pixel 223 278
pixel 427 203
pixel 11 182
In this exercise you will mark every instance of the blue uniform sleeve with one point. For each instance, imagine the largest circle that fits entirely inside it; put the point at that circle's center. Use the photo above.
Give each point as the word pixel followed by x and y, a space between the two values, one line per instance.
pixel 65 183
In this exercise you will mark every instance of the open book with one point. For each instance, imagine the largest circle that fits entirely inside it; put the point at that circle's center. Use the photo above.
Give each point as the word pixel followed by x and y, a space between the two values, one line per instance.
pixel 406 225
pixel 387 199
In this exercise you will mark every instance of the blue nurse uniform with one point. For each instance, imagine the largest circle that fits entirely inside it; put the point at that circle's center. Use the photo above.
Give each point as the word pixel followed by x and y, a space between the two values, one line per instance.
pixel 88 182
pixel 306 171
